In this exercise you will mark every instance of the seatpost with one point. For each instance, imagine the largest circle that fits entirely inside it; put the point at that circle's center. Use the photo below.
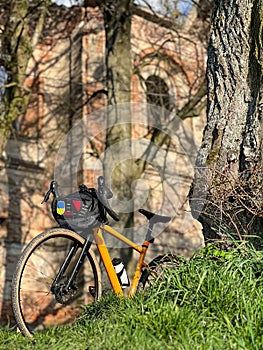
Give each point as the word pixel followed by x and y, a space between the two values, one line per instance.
pixel 149 237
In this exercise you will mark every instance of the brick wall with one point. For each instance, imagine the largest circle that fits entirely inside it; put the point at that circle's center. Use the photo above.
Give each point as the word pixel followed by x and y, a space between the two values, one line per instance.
pixel 67 74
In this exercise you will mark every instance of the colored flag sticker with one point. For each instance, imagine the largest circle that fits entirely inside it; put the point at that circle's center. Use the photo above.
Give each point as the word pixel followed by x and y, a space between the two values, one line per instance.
pixel 60 207
pixel 77 204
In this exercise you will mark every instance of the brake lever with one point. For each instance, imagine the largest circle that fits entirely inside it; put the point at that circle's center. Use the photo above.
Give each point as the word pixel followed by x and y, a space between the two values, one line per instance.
pixel 103 189
pixel 104 193
pixel 52 189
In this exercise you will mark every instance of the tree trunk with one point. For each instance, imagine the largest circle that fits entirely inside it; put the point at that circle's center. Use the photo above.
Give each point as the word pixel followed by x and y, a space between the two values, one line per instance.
pixel 17 47
pixel 226 195
pixel 117 160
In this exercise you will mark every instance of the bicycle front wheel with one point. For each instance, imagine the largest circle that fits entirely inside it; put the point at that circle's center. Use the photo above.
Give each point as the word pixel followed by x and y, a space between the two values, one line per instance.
pixel 36 303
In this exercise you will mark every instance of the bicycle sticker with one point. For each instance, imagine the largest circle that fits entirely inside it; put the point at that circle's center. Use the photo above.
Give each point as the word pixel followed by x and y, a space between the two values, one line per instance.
pixel 61 207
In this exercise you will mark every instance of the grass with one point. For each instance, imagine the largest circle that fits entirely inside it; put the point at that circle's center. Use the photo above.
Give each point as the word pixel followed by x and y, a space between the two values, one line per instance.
pixel 214 301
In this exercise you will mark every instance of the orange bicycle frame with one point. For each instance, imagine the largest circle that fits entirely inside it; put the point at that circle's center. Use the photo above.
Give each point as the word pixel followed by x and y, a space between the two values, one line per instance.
pixel 105 256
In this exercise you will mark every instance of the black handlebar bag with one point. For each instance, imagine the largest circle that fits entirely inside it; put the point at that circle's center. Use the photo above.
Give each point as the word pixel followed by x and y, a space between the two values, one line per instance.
pixel 79 211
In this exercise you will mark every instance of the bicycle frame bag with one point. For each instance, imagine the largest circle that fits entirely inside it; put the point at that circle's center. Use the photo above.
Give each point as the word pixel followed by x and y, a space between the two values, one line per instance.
pixel 79 211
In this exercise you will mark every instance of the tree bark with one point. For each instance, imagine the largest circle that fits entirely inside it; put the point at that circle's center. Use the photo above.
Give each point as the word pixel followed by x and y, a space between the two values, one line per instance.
pixel 226 195
pixel 117 21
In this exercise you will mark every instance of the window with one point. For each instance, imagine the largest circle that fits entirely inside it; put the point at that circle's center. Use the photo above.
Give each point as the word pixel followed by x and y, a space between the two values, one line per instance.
pixel 157 92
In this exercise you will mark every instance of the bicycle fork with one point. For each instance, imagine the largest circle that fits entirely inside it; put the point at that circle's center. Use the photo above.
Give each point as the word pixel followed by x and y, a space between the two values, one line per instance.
pixel 60 288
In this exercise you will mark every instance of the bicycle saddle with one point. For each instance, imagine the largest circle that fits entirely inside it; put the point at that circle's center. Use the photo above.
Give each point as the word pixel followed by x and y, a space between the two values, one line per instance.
pixel 154 218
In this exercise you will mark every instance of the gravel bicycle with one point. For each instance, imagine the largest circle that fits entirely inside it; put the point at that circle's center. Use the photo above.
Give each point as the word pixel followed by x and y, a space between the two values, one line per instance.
pixel 58 272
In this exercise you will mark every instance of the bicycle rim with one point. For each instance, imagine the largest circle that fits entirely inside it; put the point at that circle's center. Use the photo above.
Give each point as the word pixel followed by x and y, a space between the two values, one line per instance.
pixel 35 306
pixel 157 270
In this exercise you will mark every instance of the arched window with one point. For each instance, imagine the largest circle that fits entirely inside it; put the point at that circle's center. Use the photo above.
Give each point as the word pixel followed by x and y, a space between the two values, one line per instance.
pixel 157 93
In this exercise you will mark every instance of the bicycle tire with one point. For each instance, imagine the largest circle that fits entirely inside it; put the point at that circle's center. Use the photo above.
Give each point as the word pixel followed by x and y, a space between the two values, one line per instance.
pixel 34 305
pixel 156 270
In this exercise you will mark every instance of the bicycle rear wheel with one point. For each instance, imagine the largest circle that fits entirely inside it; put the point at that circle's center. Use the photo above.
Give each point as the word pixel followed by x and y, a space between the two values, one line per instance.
pixel 157 269
pixel 35 306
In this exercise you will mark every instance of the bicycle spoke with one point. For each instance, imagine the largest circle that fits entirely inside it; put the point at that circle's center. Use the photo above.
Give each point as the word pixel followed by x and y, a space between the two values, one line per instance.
pixel 39 303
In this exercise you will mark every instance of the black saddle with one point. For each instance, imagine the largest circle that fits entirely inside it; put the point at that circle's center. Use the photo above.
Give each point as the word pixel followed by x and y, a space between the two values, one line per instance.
pixel 154 218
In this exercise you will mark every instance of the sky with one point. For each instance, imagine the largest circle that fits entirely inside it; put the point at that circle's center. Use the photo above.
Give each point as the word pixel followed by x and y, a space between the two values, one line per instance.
pixel 184 5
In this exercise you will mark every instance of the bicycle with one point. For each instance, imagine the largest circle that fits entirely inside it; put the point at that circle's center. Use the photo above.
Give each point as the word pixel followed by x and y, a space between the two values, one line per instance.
pixel 58 272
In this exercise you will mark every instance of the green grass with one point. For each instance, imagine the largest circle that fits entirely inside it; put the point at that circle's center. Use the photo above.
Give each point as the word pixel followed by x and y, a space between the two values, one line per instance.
pixel 214 301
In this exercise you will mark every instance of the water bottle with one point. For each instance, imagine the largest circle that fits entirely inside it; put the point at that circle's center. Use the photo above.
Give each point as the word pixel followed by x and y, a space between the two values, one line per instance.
pixel 121 272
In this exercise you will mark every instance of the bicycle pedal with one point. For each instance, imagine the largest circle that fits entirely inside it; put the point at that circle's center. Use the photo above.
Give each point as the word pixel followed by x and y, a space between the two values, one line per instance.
pixel 92 291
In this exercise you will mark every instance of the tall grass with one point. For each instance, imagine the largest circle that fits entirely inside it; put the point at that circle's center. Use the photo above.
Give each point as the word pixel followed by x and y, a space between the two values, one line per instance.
pixel 214 301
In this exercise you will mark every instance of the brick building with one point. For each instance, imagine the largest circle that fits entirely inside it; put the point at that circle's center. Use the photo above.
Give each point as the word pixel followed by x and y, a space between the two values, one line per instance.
pixel 67 76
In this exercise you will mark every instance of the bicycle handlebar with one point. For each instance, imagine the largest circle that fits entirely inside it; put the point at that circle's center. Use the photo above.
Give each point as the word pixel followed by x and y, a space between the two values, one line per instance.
pixel 104 193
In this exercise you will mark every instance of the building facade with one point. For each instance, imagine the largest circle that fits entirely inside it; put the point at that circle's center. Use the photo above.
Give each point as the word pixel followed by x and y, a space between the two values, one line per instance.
pixel 67 75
